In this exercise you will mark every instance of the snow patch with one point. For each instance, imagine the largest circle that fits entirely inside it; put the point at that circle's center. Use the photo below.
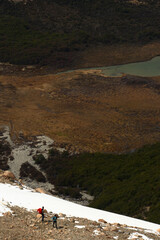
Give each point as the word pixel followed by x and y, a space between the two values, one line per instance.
pixel 32 200
pixel 3 208
pixel 96 232
pixel 137 235
pixel 79 226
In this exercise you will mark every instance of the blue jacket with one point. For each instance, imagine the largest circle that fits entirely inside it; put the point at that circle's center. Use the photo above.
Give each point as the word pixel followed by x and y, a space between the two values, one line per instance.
pixel 54 218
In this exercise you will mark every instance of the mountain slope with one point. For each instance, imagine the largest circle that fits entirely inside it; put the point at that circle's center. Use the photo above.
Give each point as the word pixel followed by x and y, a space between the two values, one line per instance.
pixel 27 198
pixel 57 32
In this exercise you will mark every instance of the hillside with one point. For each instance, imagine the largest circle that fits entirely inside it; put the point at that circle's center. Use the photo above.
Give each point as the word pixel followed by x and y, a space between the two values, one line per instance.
pixel 127 183
pixel 79 134
pixel 64 33
pixel 19 219
pixel 130 181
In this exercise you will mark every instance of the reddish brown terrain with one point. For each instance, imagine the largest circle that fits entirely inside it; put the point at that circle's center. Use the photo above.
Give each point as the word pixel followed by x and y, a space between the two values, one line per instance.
pixel 83 109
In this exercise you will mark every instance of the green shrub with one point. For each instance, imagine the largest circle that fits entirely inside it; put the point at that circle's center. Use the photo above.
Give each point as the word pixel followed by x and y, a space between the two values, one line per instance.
pixel 53 152
pixel 124 183
pixel 68 191
pixel 39 159
pixel 30 37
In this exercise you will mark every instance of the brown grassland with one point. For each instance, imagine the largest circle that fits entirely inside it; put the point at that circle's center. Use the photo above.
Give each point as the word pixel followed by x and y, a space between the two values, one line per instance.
pixel 83 108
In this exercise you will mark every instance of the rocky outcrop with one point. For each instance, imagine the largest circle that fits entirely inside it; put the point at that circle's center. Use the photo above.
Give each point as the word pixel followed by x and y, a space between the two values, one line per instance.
pixel 40 190
pixel 102 221
pixel 9 174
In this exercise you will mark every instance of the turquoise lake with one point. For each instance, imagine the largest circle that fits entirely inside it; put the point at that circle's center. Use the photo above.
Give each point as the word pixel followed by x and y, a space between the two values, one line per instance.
pixel 150 68
pixel 145 69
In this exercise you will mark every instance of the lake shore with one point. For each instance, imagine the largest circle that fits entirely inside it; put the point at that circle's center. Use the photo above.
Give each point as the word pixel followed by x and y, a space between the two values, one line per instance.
pixel 102 56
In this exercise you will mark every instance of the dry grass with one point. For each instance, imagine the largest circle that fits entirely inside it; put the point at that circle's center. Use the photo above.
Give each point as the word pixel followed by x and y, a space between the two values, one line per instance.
pixel 88 111
pixel 83 108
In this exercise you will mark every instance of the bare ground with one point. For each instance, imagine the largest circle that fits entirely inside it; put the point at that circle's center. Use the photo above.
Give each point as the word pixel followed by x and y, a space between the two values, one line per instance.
pixel 25 225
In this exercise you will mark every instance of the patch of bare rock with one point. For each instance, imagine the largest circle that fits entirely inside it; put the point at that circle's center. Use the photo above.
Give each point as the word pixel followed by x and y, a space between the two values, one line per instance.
pixel 18 156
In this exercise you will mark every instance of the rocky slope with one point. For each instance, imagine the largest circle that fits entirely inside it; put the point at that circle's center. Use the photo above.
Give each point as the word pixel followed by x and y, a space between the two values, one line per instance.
pixel 22 224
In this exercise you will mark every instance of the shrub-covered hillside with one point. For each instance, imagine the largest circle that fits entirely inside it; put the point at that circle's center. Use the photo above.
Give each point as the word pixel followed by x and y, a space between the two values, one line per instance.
pixel 54 31
pixel 126 183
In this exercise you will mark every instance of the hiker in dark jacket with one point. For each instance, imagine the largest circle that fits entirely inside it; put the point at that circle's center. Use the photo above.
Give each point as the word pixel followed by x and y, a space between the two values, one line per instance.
pixel 42 214
pixel 54 219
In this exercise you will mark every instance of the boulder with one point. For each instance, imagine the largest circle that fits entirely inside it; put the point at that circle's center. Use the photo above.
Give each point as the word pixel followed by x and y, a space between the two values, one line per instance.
pixel 102 221
pixel 116 224
pixel 32 225
pixel 40 190
pixel 9 174
pixel 94 223
pixel 62 215
pixel 50 232
pixel 7 214
pixel 107 228
pixel 158 230
pixel 114 229
pixel 39 216
pixel 20 181
pixel 124 225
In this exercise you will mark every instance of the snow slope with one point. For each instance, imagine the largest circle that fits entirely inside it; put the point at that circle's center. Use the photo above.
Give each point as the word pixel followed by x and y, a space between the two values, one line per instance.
pixel 30 200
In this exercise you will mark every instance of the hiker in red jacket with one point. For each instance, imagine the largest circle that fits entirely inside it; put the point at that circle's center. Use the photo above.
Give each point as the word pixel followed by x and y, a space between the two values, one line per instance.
pixel 41 211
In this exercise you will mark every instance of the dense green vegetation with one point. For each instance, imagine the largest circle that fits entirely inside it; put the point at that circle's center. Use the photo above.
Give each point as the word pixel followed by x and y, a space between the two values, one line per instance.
pixel 21 45
pixel 53 31
pixel 123 183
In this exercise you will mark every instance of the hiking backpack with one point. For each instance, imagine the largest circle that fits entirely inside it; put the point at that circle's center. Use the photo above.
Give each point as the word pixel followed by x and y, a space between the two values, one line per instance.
pixel 39 210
